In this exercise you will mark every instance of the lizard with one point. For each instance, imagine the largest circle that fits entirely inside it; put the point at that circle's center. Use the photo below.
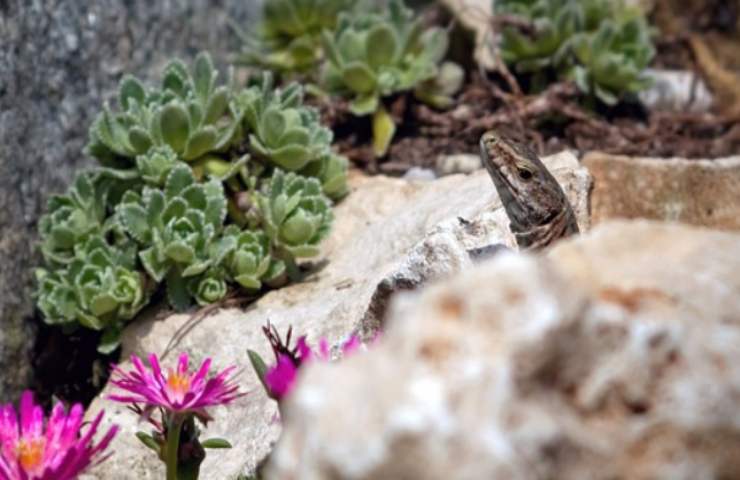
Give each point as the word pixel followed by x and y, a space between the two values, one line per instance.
pixel 538 210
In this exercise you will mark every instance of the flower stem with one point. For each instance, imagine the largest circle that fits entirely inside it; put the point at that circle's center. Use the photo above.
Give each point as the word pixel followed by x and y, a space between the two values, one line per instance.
pixel 173 445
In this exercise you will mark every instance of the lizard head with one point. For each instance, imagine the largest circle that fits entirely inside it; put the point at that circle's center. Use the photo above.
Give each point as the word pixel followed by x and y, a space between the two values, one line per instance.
pixel 530 194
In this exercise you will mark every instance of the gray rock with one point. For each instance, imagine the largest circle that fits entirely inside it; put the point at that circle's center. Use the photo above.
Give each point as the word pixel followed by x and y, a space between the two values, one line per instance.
pixel 59 61
pixel 614 355
pixel 418 174
pixel 389 235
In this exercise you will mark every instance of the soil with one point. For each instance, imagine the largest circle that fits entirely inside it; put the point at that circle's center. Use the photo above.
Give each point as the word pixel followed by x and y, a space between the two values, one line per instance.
pixel 68 367
pixel 555 119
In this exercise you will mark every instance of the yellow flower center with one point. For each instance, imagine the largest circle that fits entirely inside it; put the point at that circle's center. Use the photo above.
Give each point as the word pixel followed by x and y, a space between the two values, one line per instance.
pixel 178 384
pixel 30 453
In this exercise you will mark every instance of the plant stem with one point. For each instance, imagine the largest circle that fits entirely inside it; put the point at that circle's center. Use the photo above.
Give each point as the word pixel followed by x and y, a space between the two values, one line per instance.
pixel 173 445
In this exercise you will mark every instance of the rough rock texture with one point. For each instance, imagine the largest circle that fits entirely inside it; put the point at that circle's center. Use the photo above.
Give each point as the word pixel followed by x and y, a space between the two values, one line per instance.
pixel 616 355
pixel 698 192
pixel 389 235
pixel 58 62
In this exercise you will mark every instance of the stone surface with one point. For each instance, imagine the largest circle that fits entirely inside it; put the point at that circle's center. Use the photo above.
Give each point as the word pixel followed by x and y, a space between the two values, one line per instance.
pixel 615 355
pixel 698 192
pixel 475 16
pixel 458 163
pixel 676 91
pixel 59 61
pixel 389 235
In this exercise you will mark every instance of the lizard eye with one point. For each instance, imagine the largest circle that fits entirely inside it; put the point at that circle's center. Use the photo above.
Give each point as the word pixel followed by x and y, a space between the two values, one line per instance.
pixel 525 174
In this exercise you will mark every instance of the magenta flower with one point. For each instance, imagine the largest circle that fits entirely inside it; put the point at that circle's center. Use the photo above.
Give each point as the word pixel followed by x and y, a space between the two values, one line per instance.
pixel 280 378
pixel 27 452
pixel 180 391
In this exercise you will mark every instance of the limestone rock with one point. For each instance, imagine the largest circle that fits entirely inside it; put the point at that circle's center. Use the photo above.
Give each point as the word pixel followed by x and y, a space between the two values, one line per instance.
pixel 458 163
pixel 615 355
pixel 59 61
pixel 698 192
pixel 389 235
pixel 676 91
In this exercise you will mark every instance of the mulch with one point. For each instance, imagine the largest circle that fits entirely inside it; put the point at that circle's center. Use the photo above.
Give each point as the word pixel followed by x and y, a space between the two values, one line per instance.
pixel 552 120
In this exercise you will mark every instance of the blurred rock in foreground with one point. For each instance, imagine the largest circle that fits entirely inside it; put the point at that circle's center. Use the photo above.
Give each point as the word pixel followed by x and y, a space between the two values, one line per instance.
pixel 615 355
pixel 59 61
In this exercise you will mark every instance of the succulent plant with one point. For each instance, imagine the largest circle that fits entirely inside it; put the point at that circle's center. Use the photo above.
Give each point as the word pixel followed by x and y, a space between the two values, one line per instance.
pixel 155 165
pixel 178 229
pixel 553 22
pixel 72 218
pixel 601 44
pixel 289 37
pixel 250 263
pixel 155 211
pixel 613 60
pixel 99 289
pixel 296 215
pixel 331 171
pixel 188 113
pixel 283 131
pixel 376 54
pixel 208 288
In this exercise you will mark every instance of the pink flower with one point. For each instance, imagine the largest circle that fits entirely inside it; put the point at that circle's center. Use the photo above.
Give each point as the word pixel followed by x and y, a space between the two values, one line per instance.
pixel 281 377
pixel 59 453
pixel 180 391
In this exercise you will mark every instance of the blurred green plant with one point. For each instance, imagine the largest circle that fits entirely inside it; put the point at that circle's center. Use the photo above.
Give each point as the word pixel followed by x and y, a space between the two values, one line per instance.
pixel 288 39
pixel 376 54
pixel 603 45
pixel 188 113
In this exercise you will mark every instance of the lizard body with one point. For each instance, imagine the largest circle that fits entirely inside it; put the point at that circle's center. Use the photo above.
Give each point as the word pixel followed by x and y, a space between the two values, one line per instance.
pixel 538 210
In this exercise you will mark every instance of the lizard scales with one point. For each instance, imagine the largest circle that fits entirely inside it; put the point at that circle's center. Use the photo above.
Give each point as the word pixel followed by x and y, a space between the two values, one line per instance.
pixel 538 209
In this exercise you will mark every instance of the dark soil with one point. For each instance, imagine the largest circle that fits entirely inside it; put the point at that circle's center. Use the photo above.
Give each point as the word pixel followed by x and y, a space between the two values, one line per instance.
pixel 68 367
pixel 552 120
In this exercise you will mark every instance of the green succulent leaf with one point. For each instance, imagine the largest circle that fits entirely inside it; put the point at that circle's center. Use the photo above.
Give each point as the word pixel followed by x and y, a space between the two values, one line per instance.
pixel 383 130
pixel 130 90
pixel 174 125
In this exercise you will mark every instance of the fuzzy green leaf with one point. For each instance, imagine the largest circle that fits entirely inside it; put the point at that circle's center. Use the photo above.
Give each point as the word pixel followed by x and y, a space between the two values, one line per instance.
pixel 174 124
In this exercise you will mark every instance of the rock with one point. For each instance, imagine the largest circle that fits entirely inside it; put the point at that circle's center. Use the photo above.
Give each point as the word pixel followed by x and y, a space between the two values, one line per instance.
pixel 418 174
pixel 59 62
pixel 615 355
pixel 458 163
pixel 676 91
pixel 475 17
pixel 389 235
pixel 698 192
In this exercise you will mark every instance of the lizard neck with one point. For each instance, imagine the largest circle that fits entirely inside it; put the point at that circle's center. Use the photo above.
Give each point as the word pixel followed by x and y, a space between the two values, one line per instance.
pixel 562 225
